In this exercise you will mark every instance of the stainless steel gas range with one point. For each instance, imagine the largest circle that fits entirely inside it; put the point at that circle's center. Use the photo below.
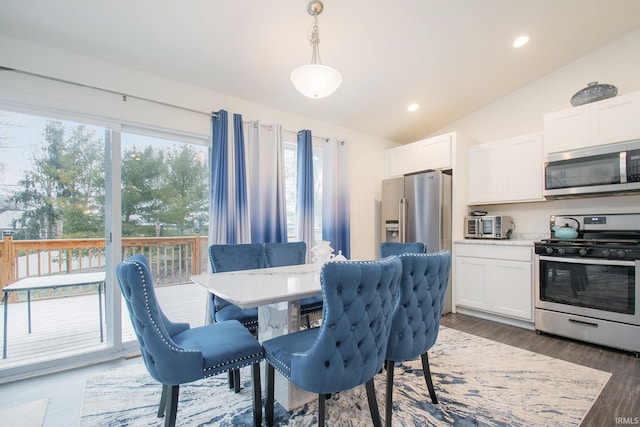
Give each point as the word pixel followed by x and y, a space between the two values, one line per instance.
pixel 587 287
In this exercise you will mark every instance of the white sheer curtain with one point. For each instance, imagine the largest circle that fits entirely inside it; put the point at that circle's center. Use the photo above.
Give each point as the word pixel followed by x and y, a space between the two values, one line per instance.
pixel 265 168
pixel 336 195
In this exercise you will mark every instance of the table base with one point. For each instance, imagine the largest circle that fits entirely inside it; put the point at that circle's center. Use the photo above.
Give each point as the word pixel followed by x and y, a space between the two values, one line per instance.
pixel 275 320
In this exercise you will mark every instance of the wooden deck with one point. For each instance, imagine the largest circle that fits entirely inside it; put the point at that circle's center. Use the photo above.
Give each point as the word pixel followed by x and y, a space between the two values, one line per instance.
pixel 65 326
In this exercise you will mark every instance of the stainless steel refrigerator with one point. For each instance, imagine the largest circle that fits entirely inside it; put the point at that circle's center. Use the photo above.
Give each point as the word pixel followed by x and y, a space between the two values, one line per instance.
pixel 417 208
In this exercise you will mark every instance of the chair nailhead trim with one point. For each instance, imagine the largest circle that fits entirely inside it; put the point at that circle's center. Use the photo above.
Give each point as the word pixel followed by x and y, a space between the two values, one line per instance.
pixel 235 364
pixel 146 304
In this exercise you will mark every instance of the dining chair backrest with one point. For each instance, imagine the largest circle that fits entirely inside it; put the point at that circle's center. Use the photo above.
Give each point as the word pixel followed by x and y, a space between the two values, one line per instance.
pixel 282 254
pixel 234 257
pixel 399 248
pixel 175 353
pixel 416 319
pixel 351 345
pixel 153 329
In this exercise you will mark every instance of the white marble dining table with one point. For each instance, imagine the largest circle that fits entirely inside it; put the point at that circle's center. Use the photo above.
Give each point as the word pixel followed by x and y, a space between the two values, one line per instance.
pixel 276 292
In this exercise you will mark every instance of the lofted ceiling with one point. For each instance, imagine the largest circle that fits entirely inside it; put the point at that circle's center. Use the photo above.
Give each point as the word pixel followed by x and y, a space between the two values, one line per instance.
pixel 451 57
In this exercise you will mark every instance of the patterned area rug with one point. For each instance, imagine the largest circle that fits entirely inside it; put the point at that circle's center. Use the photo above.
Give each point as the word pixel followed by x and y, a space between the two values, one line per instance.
pixel 478 383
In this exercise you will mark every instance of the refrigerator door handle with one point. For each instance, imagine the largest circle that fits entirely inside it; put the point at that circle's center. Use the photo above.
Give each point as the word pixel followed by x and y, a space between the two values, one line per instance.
pixel 402 219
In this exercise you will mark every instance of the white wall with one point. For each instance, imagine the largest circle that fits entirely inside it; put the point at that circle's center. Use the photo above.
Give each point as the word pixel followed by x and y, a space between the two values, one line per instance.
pixel 522 112
pixel 24 93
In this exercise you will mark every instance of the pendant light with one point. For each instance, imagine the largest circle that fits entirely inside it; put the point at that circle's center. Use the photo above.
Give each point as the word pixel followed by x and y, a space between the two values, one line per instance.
pixel 315 80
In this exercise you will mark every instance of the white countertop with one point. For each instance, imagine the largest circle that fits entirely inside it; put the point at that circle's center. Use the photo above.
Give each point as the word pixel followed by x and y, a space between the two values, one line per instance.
pixel 262 286
pixel 499 242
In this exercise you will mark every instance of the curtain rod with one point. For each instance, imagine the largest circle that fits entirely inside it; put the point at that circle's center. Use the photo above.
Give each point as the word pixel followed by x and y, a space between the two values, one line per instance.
pixel 254 122
pixel 124 96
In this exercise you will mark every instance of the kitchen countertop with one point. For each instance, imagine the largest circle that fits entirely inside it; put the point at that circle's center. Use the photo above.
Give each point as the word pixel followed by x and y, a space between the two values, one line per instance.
pixel 500 242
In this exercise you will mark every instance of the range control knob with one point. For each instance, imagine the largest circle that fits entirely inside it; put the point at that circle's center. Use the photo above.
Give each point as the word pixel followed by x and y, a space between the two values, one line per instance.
pixel 622 253
pixel 548 250
pixel 583 251
pixel 562 251
pixel 606 253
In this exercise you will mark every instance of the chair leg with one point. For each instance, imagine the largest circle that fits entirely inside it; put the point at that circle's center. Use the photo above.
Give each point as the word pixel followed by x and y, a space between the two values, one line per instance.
pixel 373 403
pixel 163 400
pixel 321 409
pixel 257 395
pixel 389 399
pixel 236 380
pixel 427 377
pixel 172 406
pixel 269 386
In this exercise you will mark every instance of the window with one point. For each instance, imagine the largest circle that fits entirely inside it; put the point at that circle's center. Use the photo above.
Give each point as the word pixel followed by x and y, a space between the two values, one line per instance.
pixel 290 178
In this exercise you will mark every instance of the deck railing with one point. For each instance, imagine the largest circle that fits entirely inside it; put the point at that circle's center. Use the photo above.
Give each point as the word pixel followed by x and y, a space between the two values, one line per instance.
pixel 172 259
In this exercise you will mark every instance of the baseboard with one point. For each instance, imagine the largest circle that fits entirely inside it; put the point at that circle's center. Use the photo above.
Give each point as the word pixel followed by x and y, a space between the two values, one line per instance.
pixel 496 318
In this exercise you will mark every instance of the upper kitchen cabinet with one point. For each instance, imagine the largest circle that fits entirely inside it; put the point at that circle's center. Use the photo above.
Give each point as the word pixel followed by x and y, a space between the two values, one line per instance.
pixel 506 171
pixel 430 153
pixel 604 122
pixel 445 152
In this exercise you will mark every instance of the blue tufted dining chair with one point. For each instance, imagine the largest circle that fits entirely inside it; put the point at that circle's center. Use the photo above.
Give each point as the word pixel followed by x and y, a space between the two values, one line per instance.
pixel 293 253
pixel 416 319
pixel 174 353
pixel 234 257
pixel 350 346
pixel 398 248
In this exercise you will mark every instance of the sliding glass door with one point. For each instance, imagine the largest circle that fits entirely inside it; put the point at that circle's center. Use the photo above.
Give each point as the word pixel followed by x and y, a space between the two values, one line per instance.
pixel 52 210
pixel 77 198
pixel 165 209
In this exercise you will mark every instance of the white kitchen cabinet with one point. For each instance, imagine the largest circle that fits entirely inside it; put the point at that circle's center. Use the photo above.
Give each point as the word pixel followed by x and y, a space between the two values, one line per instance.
pixel 615 120
pixel 604 122
pixel 400 160
pixel 506 171
pixel 495 278
pixel 566 130
pixel 430 153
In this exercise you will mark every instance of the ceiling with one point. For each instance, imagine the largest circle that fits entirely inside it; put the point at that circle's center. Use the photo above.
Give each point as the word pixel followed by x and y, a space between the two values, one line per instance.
pixel 450 56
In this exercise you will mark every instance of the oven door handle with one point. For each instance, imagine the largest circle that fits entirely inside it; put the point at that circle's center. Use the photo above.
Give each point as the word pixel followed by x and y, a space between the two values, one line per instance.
pixel 588 261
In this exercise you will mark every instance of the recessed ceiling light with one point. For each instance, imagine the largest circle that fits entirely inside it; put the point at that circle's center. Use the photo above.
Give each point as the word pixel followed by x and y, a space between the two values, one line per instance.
pixel 521 41
pixel 413 107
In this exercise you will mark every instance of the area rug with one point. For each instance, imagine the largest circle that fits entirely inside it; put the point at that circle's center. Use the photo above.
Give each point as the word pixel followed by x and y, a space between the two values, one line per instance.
pixel 28 414
pixel 478 383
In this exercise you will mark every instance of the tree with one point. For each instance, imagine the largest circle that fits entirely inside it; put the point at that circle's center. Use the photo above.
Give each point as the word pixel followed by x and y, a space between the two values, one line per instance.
pixel 170 189
pixel 65 188
pixel 186 185
pixel 143 172
pixel 65 184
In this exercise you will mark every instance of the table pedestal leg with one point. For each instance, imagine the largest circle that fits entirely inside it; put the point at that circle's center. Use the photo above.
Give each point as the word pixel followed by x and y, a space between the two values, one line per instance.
pixel 275 320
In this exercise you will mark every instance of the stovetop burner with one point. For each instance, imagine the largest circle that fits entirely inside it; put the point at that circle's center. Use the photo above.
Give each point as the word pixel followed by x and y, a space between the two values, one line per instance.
pixel 587 242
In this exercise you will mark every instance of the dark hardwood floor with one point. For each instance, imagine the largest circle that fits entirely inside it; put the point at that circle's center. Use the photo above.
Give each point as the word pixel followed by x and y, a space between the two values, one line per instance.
pixel 619 402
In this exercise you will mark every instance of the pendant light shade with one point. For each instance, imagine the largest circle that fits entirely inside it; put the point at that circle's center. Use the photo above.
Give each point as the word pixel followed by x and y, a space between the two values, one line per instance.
pixel 315 80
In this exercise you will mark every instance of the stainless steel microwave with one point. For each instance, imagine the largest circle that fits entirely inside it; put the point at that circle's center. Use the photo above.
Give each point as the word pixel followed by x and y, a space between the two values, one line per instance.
pixel 488 227
pixel 611 168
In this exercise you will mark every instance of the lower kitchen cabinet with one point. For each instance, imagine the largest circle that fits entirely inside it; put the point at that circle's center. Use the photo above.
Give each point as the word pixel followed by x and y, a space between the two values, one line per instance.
pixel 495 278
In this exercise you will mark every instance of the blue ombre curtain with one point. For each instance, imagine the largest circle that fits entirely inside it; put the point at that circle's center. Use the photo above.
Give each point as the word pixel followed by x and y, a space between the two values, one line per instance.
pixel 336 226
pixel 239 230
pixel 304 191
pixel 228 211
pixel 218 209
pixel 265 167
